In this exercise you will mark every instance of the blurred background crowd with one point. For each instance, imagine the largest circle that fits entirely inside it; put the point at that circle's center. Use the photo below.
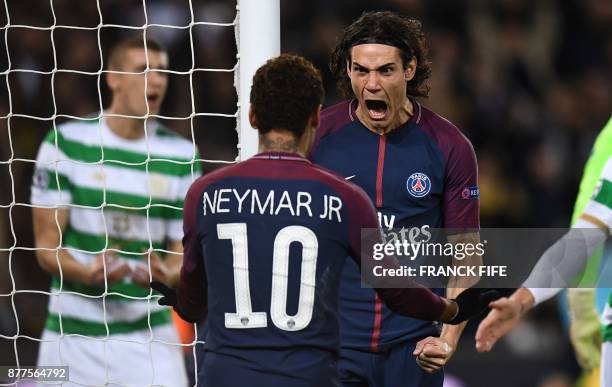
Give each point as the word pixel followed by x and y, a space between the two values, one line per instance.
pixel 529 82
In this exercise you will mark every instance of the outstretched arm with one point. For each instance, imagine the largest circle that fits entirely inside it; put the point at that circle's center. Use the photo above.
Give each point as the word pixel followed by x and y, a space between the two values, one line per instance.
pixel 504 315
pixel 189 299
pixel 192 291
pixel 403 295
pixel 558 264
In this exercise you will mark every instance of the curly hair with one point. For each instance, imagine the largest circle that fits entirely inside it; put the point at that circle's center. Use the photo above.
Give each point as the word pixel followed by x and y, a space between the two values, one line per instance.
pixel 285 92
pixel 386 27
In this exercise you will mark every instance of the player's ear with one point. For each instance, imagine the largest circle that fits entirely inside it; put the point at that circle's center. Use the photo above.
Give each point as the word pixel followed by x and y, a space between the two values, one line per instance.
pixel 112 81
pixel 348 68
pixel 410 69
pixel 315 118
pixel 252 119
pixel 308 137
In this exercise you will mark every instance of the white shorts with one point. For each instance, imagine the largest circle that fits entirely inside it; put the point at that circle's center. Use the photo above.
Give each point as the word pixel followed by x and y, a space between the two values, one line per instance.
pixel 139 362
pixel 606 364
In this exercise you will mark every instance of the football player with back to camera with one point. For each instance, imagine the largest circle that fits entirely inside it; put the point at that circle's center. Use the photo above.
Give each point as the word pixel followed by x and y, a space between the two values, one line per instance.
pixel 265 242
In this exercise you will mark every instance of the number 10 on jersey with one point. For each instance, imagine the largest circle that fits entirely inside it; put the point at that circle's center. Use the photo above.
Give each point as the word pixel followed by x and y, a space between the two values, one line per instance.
pixel 244 316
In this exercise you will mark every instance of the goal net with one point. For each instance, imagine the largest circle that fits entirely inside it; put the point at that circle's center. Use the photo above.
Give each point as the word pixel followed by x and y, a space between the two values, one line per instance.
pixel 54 65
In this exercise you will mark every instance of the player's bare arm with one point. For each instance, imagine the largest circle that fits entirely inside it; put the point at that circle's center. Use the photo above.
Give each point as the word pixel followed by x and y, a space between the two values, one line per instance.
pixel 507 312
pixel 49 224
pixel 432 353
pixel 505 315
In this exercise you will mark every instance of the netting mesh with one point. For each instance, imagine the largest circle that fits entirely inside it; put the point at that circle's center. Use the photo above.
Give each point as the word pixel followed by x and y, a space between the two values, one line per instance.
pixel 186 115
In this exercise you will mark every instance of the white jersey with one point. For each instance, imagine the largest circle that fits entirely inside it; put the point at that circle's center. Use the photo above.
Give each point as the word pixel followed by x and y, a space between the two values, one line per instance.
pixel 122 194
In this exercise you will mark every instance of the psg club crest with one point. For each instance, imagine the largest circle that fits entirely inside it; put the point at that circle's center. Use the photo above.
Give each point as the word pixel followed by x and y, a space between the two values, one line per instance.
pixel 418 185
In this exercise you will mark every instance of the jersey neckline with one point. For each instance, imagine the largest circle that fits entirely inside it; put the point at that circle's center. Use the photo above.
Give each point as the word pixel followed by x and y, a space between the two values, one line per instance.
pixel 272 155
pixel 106 129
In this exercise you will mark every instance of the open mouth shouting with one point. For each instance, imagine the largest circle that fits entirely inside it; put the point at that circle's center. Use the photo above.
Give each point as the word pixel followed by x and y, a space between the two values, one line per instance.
pixel 377 109
pixel 153 100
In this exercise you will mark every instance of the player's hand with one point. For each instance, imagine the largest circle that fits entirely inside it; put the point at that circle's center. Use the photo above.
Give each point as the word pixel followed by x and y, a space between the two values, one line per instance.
pixel 169 298
pixel 432 353
pixel 504 315
pixel 585 333
pixel 586 339
pixel 471 302
pixel 159 271
pixel 116 269
pixel 168 294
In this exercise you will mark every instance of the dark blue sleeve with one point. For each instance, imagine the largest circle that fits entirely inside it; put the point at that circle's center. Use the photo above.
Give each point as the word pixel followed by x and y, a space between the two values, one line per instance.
pixel 461 202
pixel 193 285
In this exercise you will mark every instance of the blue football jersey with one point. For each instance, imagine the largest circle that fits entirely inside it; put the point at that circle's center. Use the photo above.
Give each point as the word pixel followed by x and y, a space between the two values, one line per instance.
pixel 265 243
pixel 422 174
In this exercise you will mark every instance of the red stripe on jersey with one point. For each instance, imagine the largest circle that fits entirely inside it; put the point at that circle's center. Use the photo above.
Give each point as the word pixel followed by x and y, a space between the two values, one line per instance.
pixel 377 319
pixel 379 170
pixel 379 200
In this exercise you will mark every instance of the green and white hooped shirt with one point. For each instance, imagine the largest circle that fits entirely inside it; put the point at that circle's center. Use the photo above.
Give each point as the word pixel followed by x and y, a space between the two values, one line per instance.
pixel 122 194
pixel 600 207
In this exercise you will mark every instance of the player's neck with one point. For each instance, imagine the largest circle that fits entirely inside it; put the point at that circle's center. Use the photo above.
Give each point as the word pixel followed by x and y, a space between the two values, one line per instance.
pixel 128 128
pixel 280 141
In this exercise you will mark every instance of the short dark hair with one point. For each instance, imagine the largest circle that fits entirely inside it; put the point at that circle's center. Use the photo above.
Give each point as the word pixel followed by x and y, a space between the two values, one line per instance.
pixel 285 93
pixel 405 33
pixel 115 56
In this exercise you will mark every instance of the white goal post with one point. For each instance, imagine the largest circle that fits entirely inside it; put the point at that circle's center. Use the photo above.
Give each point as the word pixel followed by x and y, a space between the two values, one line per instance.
pixel 258 38
pixel 257 33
